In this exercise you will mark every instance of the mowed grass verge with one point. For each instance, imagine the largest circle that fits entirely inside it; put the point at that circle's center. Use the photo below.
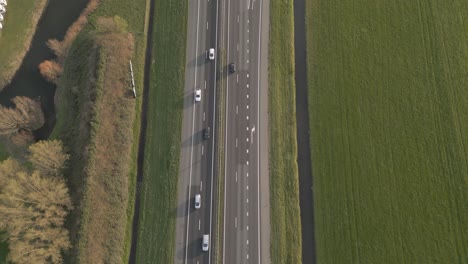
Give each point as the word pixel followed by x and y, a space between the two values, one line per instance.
pixel 19 25
pixel 389 117
pixel 286 245
pixel 162 151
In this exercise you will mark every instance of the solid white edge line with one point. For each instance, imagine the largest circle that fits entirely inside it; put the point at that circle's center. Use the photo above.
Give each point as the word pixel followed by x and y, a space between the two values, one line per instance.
pixel 193 128
pixel 225 144
pixel 258 132
pixel 214 130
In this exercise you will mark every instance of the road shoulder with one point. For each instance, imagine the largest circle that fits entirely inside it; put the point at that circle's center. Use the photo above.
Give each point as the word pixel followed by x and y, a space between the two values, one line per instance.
pixel 264 137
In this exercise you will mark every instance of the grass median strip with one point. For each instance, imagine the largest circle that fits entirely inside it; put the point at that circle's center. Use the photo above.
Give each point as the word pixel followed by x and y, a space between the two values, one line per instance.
pixel 161 163
pixel 284 191
pixel 389 115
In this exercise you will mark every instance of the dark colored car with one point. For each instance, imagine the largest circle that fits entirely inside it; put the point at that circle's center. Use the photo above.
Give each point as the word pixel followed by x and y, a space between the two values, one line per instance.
pixel 232 67
pixel 206 133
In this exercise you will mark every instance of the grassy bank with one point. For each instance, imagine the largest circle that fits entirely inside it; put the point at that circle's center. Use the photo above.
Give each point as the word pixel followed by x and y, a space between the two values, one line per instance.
pixel 18 29
pixel 161 162
pixel 101 143
pixel 389 115
pixel 133 14
pixel 136 15
pixel 284 190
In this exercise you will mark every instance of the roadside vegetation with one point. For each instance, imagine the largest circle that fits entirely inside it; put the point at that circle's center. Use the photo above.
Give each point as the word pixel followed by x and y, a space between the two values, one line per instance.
pixel 389 114
pixel 135 14
pixel 96 110
pixel 95 117
pixel 15 38
pixel 95 120
pixel 161 164
pixel 285 219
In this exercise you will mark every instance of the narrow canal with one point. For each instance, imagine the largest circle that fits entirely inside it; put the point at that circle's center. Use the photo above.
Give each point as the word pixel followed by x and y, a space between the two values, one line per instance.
pixel 303 141
pixel 57 17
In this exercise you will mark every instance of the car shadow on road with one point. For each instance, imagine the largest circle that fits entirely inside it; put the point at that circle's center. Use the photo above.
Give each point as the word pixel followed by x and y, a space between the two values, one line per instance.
pixel 197 139
pixel 193 249
pixel 198 61
pixel 189 99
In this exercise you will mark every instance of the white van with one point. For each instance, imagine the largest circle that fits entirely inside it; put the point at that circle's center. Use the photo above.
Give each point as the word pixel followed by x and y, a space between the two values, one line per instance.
pixel 206 242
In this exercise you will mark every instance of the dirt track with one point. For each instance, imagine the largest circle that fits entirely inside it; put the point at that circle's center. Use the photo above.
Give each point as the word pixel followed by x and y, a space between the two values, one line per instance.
pixel 302 118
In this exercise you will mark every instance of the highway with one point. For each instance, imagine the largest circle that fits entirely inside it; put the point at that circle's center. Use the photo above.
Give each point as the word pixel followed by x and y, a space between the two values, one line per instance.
pixel 246 211
pixel 196 160
pixel 238 30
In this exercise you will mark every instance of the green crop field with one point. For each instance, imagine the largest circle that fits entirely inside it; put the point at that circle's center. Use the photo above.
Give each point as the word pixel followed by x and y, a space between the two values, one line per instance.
pixel 161 163
pixel 389 116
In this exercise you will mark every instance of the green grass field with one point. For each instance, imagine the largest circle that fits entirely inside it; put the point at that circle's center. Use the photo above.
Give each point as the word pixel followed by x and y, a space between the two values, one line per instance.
pixel 15 37
pixel 161 164
pixel 389 116
pixel 284 189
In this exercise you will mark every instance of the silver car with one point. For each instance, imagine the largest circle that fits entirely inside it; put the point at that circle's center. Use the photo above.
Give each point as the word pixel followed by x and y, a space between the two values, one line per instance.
pixel 211 54
pixel 197 95
pixel 206 242
pixel 197 201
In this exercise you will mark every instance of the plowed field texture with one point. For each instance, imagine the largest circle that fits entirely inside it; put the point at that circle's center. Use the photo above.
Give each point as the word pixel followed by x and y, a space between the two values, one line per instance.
pixel 388 105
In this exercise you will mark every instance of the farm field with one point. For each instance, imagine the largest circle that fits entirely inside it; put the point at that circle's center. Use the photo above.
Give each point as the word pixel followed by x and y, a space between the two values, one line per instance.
pixel 388 108
pixel 156 232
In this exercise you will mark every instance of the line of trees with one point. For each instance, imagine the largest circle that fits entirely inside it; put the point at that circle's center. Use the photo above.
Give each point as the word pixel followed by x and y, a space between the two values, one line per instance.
pixel 34 202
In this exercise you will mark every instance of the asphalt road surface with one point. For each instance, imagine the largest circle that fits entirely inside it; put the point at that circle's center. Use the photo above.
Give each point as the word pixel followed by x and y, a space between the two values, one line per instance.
pixel 246 207
pixel 243 40
pixel 196 164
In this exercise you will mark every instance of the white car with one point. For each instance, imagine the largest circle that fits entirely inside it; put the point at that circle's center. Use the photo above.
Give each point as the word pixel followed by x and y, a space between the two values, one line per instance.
pixel 3 2
pixel 1 18
pixel 211 54
pixel 2 9
pixel 1 26
pixel 197 201
pixel 206 242
pixel 197 95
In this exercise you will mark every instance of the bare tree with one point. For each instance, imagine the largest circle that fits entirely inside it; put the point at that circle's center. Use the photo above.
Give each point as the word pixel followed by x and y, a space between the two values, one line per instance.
pixel 27 115
pixel 47 157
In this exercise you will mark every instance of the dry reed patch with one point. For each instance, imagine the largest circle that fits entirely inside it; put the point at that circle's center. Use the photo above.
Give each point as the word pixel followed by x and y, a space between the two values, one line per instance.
pixel 107 185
